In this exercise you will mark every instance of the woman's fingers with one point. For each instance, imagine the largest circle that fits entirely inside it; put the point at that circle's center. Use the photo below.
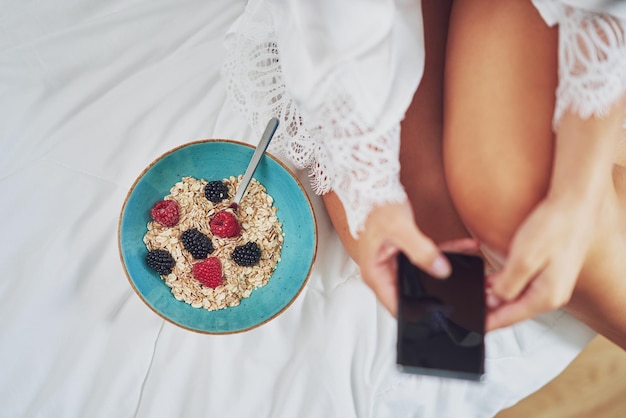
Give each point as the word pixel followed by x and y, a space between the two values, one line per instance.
pixel 393 225
pixel 386 290
pixel 379 261
pixel 530 302
pixel 529 254
pixel 390 229
pixel 380 277
pixel 549 290
pixel 461 245
pixel 423 252
pixel 513 293
pixel 510 313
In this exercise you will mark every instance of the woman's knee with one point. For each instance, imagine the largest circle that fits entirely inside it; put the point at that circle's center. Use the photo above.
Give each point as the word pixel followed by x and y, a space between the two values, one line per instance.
pixel 494 200
pixel 499 100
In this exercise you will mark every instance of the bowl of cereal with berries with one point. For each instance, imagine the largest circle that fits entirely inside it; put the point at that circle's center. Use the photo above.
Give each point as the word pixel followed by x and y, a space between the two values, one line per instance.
pixel 205 264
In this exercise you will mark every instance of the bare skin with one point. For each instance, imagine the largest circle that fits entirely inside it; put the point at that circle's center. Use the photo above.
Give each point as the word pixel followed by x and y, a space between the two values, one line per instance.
pixel 549 203
pixel 421 151
pixel 426 224
pixel 519 188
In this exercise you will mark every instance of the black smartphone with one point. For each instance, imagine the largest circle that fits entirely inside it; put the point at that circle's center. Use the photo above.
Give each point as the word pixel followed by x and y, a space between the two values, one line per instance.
pixel 441 322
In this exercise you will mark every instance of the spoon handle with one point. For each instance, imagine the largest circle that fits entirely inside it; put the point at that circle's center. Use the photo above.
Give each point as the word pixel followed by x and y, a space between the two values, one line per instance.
pixel 256 158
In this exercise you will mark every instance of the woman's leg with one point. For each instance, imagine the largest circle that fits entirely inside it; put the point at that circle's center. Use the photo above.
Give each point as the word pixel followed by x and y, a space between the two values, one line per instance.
pixel 421 144
pixel 421 149
pixel 501 76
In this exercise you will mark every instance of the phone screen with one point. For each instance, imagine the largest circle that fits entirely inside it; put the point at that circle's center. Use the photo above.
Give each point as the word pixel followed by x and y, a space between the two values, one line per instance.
pixel 441 322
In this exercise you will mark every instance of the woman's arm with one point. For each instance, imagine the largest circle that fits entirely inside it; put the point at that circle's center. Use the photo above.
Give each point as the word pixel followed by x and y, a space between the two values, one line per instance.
pixel 389 229
pixel 550 247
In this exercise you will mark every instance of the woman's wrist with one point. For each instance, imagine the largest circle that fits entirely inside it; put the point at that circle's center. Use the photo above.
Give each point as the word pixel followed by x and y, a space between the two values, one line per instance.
pixel 587 192
pixel 583 159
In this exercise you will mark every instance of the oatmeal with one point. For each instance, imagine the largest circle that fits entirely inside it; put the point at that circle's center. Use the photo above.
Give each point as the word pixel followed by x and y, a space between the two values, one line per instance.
pixel 256 246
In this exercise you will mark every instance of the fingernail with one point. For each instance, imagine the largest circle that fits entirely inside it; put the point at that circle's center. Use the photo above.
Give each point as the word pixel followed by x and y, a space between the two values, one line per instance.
pixel 441 267
pixel 492 301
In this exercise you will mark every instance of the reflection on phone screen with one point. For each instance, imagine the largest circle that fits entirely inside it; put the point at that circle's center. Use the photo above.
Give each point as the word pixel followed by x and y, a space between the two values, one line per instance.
pixel 441 323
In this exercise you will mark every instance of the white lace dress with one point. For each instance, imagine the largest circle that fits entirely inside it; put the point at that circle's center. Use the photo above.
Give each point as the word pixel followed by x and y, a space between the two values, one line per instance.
pixel 592 54
pixel 340 75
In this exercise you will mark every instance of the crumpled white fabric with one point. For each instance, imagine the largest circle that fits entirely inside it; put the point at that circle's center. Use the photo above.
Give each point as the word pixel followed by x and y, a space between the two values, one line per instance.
pixel 339 76
pixel 592 54
pixel 91 93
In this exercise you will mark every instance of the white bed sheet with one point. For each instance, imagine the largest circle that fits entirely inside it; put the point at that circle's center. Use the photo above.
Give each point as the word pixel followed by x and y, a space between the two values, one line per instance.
pixel 90 93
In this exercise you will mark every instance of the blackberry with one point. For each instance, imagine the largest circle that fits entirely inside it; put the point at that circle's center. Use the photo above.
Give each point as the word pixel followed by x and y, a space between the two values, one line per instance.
pixel 198 244
pixel 216 191
pixel 247 254
pixel 160 261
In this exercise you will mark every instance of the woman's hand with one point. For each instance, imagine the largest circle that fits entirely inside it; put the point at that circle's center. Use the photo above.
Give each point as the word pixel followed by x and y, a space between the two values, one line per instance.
pixel 544 261
pixel 548 250
pixel 390 229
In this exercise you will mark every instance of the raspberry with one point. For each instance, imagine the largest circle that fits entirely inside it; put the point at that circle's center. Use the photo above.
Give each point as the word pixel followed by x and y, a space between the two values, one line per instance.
pixel 198 244
pixel 225 225
pixel 247 254
pixel 165 212
pixel 160 261
pixel 208 272
pixel 216 191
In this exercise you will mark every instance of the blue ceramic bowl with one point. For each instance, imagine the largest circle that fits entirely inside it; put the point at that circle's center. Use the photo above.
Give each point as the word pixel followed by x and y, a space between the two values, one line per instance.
pixel 217 159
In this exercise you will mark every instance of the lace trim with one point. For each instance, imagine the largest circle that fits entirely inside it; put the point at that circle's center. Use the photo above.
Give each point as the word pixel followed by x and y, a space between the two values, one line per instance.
pixel 592 63
pixel 256 89
pixel 340 150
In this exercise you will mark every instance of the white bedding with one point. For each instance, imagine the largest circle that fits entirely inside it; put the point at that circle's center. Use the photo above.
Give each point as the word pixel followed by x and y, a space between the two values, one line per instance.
pixel 90 93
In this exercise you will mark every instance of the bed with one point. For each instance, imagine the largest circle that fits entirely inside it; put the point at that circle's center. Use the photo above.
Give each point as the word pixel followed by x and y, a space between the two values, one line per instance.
pixel 92 92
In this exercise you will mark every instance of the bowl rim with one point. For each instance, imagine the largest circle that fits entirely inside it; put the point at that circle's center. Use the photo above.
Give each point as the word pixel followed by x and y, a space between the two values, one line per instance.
pixel 214 140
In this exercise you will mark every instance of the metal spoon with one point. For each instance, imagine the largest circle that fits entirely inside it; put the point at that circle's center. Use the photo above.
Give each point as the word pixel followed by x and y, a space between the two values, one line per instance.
pixel 270 129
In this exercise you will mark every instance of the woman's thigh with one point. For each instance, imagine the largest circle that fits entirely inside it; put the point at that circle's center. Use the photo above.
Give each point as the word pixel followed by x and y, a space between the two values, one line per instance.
pixel 421 158
pixel 500 81
pixel 501 76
